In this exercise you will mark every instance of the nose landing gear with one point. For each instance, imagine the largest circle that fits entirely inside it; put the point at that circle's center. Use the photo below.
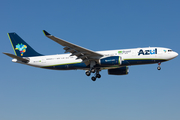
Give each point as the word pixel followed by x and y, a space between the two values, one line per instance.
pixel 159 64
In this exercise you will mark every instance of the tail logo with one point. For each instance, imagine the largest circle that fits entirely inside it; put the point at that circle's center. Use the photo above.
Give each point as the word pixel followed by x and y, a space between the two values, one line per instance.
pixel 22 48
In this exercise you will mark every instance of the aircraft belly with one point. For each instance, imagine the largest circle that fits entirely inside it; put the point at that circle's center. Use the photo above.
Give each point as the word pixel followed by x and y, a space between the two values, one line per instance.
pixel 140 61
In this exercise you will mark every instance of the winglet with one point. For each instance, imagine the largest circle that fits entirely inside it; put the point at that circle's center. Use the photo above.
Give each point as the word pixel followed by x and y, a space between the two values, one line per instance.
pixel 46 33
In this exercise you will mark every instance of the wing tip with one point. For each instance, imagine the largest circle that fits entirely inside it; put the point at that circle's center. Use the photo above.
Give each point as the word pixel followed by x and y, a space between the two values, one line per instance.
pixel 46 33
pixel 4 53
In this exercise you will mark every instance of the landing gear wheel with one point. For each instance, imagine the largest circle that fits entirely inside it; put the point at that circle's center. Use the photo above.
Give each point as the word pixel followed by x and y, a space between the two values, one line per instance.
pixel 98 76
pixel 159 68
pixel 93 78
pixel 93 70
pixel 88 73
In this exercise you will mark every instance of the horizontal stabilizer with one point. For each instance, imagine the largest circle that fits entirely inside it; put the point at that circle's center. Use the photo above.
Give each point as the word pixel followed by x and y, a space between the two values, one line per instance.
pixel 17 57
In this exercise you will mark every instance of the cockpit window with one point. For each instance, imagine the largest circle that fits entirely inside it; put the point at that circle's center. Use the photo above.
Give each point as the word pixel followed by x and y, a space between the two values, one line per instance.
pixel 169 50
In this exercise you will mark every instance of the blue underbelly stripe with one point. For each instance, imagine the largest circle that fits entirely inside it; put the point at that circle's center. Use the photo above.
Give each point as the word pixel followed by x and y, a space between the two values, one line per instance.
pixel 83 65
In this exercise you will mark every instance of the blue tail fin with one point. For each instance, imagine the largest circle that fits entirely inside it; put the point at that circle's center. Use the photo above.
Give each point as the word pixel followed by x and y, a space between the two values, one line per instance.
pixel 20 47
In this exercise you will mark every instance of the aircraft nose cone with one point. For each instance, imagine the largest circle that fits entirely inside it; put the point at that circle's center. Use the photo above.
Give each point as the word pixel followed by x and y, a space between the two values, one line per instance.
pixel 176 54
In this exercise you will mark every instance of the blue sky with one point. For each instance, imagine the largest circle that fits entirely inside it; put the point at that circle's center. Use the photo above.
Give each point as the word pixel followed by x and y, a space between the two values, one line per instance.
pixel 39 94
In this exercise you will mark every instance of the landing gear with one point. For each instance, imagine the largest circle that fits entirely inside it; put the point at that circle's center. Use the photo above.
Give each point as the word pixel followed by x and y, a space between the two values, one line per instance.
pixel 97 75
pixel 93 78
pixel 159 68
pixel 88 73
pixel 93 70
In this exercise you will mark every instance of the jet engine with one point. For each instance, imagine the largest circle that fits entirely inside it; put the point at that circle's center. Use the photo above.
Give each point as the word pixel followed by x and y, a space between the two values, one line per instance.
pixel 113 60
pixel 119 71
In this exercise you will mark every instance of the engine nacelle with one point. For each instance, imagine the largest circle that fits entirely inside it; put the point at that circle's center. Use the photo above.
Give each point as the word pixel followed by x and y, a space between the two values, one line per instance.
pixel 119 71
pixel 113 60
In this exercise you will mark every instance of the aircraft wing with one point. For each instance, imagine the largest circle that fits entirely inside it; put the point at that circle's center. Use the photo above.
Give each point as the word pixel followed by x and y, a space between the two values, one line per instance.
pixel 80 52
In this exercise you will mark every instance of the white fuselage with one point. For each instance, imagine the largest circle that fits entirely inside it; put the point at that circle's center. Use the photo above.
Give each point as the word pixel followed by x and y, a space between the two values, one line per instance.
pixel 128 57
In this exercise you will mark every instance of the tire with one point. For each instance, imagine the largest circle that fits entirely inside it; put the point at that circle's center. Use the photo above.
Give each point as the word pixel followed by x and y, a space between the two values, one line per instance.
pixel 93 70
pixel 98 76
pixel 93 79
pixel 159 68
pixel 88 73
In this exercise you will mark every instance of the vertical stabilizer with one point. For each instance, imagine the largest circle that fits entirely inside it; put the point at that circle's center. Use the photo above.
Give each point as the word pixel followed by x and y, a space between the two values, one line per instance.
pixel 20 47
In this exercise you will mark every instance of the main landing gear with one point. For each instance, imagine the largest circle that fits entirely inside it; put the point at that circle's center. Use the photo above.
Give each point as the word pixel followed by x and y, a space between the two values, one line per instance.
pixel 93 70
pixel 159 66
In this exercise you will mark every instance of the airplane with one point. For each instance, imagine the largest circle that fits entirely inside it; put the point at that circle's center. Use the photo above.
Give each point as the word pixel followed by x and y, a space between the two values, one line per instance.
pixel 77 57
